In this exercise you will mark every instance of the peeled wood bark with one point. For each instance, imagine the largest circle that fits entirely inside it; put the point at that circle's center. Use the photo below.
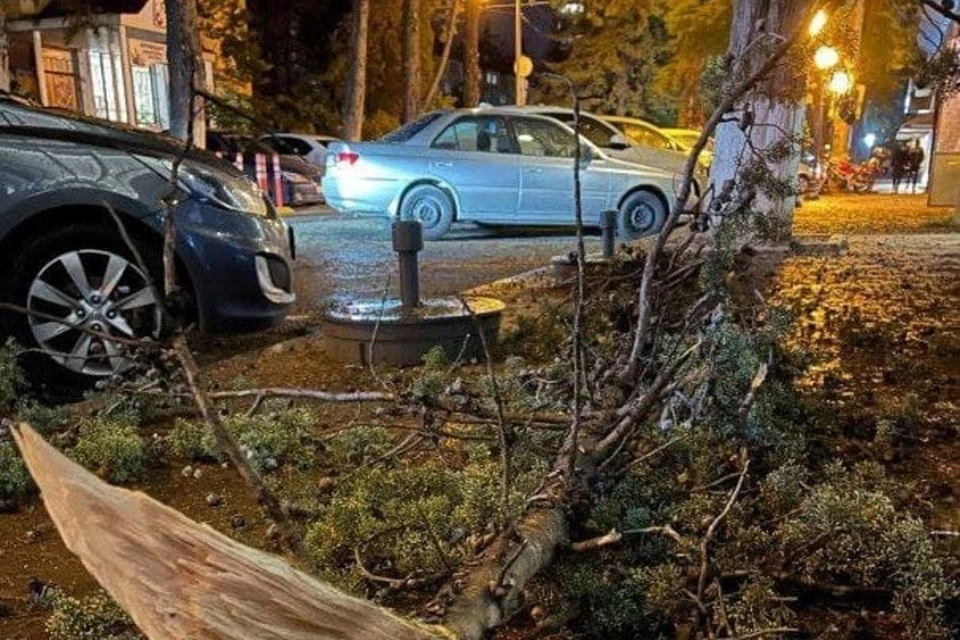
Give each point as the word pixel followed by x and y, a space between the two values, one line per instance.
pixel 471 55
pixel 179 579
pixel 354 107
pixel 411 59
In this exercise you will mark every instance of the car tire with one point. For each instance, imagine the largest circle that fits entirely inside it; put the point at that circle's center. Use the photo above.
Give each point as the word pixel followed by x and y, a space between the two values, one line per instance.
pixel 642 213
pixel 432 206
pixel 803 184
pixel 117 301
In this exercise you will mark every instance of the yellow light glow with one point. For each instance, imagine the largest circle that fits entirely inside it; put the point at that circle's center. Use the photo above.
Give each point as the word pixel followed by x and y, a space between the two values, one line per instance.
pixel 826 58
pixel 841 82
pixel 818 23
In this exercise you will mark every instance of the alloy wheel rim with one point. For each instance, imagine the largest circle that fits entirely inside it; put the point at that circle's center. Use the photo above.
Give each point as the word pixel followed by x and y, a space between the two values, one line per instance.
pixel 428 211
pixel 97 291
pixel 642 217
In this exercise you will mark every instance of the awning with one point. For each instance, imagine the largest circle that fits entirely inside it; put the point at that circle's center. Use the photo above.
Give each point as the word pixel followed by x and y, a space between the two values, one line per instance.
pixel 68 8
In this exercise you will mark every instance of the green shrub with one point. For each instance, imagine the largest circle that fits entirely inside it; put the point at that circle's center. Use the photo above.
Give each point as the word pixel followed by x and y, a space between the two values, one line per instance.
pixel 11 376
pixel 354 446
pixel 95 617
pixel 851 535
pixel 111 448
pixel 15 480
pixel 414 518
pixel 269 440
pixel 44 419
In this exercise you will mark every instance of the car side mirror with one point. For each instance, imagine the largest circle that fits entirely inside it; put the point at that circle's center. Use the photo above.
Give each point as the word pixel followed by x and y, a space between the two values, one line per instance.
pixel 619 141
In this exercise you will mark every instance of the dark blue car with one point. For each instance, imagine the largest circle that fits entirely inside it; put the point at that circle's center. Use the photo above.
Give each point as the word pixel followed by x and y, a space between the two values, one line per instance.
pixel 63 258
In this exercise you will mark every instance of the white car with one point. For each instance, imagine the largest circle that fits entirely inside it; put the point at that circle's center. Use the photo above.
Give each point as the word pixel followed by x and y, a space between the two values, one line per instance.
pixel 496 166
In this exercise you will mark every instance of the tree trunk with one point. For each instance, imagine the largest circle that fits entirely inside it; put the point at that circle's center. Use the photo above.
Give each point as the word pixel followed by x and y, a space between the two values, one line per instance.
pixel 186 68
pixel 353 112
pixel 777 106
pixel 4 53
pixel 411 60
pixel 445 58
pixel 471 55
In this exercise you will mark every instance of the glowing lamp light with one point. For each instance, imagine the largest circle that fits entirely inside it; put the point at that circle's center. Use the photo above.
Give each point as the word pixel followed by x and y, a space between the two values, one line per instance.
pixel 870 140
pixel 826 58
pixel 818 23
pixel 841 83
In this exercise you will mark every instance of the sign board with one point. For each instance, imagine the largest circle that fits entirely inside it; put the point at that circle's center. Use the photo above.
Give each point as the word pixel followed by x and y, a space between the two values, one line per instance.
pixel 146 54
pixel 523 67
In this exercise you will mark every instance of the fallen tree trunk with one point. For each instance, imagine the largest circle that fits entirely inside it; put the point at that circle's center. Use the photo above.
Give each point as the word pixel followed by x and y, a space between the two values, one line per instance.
pixel 179 579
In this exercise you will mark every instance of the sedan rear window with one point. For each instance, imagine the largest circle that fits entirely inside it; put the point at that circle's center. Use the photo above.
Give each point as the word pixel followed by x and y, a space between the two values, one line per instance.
pixel 411 129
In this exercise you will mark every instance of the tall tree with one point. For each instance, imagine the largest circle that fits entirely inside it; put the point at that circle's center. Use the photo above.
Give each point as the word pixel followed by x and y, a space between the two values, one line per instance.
pixel 698 30
pixel 615 47
pixel 411 60
pixel 471 54
pixel 183 53
pixel 4 52
pixel 769 117
pixel 448 36
pixel 357 80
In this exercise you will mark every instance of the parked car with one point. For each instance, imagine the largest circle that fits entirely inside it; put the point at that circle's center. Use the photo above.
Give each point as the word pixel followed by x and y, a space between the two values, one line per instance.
pixel 686 139
pixel 645 134
pixel 299 179
pixel 615 143
pixel 312 148
pixel 63 258
pixel 492 166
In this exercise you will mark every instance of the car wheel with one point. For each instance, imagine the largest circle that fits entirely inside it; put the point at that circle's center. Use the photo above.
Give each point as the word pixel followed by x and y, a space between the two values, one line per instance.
pixel 642 213
pixel 80 277
pixel 432 206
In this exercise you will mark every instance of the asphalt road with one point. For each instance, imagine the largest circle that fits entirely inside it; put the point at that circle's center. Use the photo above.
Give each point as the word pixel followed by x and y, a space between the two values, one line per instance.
pixel 343 255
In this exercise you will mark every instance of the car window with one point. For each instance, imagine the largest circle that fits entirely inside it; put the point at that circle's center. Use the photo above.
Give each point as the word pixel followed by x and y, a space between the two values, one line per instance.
pixel 411 129
pixel 286 146
pixel 646 137
pixel 542 138
pixel 484 134
pixel 590 128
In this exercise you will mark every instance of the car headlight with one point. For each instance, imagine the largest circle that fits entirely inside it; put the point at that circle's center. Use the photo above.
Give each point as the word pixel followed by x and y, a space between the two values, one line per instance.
pixel 208 183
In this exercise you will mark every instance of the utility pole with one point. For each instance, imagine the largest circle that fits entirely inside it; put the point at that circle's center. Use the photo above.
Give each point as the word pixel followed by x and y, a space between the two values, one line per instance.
pixel 521 88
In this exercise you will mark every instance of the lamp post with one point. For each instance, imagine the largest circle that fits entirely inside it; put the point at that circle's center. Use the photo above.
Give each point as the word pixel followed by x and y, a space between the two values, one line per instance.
pixel 826 58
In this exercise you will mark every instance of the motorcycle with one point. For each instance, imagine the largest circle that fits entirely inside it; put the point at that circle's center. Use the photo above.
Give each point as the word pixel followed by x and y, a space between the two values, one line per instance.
pixel 849 176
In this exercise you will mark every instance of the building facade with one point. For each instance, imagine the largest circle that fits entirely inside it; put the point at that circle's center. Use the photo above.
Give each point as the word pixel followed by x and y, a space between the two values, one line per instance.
pixel 111 64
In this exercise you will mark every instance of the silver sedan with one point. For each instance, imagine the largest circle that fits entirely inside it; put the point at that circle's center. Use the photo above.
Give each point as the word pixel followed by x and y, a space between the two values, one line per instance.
pixel 492 166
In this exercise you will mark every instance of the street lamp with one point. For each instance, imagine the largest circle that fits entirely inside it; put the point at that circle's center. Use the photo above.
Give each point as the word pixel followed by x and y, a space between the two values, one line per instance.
pixel 825 58
pixel 840 83
pixel 818 23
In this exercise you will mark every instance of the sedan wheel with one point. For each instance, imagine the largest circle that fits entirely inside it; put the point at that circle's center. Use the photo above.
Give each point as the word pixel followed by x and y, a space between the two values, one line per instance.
pixel 641 214
pixel 431 206
pixel 97 291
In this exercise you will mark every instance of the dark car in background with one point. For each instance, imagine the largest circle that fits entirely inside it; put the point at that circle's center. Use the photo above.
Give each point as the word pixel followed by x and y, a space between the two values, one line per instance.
pixel 300 180
pixel 63 178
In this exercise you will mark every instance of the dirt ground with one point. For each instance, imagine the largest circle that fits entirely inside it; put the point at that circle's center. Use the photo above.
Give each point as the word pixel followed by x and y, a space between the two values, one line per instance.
pixel 881 323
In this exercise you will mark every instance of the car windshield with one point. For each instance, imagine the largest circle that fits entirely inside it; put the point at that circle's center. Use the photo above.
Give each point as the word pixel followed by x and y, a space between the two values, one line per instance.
pixel 411 129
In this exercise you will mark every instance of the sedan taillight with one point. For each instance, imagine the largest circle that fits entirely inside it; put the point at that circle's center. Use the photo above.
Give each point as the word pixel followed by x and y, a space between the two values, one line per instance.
pixel 347 157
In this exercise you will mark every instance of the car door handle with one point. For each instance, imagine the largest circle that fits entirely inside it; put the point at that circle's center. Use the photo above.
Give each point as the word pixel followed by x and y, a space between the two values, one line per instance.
pixel 442 164
pixel 534 170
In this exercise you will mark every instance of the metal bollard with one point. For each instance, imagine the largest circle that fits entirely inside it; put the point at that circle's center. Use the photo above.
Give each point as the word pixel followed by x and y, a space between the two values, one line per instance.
pixel 608 225
pixel 408 242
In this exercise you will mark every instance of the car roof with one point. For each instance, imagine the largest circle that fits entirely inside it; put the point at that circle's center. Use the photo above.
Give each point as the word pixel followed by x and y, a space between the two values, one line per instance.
pixel 681 131
pixel 629 120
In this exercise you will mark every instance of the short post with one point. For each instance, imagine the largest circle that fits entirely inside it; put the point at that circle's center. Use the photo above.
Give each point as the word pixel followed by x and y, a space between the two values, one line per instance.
pixel 608 226
pixel 408 242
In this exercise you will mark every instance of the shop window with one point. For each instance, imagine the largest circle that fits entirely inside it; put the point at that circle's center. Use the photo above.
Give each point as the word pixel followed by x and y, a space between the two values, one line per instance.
pixel 150 96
